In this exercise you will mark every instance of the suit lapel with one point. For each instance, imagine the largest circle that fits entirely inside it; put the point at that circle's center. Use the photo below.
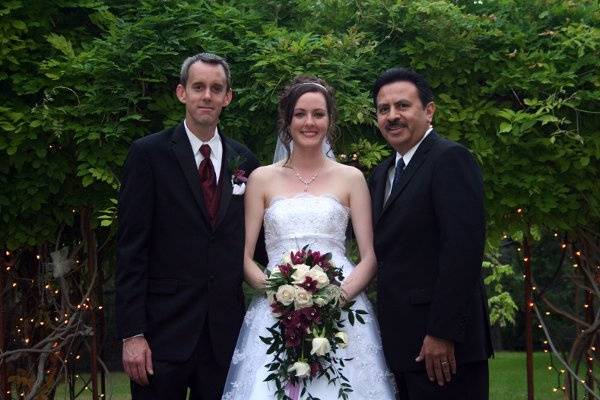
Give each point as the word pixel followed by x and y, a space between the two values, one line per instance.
pixel 379 190
pixel 413 166
pixel 182 149
pixel 225 185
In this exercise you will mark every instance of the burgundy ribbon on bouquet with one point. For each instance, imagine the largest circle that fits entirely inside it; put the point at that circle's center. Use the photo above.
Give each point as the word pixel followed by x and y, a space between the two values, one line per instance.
pixel 293 390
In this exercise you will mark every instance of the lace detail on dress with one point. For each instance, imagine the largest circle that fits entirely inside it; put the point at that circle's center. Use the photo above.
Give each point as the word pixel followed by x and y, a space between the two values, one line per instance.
pixel 293 222
pixel 290 223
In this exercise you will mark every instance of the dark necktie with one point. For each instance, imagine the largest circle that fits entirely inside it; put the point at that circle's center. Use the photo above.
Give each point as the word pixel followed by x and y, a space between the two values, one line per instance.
pixel 208 181
pixel 398 173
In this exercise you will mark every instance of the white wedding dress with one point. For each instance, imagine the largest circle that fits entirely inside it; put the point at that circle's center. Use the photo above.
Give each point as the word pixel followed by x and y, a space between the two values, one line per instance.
pixel 291 223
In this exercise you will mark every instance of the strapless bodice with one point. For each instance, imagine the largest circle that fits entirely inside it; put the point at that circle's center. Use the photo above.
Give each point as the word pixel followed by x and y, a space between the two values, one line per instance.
pixel 293 222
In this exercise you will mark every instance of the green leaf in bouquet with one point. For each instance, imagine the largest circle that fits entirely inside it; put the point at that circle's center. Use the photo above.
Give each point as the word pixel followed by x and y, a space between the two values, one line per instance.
pixel 327 256
pixel 270 377
pixel 359 318
pixel 273 367
pixel 266 340
pixel 272 348
pixel 273 330
pixel 351 317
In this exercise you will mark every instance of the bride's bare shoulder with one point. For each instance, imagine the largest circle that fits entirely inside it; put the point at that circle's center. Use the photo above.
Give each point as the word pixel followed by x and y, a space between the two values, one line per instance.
pixel 347 172
pixel 266 173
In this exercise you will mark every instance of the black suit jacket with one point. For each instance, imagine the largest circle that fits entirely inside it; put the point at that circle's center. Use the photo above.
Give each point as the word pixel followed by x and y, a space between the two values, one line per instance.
pixel 429 241
pixel 175 271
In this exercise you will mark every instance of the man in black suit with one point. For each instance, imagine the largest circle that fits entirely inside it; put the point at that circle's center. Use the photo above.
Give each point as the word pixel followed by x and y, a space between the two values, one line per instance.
pixel 429 240
pixel 180 245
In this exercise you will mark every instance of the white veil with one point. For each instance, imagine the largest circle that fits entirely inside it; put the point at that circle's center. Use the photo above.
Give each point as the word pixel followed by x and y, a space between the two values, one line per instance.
pixel 281 154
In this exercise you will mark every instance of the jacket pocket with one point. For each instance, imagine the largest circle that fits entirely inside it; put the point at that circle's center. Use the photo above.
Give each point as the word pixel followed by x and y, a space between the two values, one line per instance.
pixel 420 296
pixel 162 286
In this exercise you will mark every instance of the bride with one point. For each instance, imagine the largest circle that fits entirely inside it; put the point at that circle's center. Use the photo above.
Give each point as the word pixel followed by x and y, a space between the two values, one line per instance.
pixel 307 198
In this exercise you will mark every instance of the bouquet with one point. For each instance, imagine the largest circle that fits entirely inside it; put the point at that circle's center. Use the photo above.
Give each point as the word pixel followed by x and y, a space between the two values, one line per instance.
pixel 305 296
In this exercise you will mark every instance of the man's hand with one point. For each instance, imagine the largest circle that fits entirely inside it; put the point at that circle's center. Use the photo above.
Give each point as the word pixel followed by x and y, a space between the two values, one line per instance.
pixel 439 359
pixel 137 359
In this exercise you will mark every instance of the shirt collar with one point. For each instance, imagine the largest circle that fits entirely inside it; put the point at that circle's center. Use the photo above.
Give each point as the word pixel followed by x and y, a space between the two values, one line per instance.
pixel 410 153
pixel 216 148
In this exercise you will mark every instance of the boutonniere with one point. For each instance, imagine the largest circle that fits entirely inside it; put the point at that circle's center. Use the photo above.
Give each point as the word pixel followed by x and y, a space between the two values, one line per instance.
pixel 238 176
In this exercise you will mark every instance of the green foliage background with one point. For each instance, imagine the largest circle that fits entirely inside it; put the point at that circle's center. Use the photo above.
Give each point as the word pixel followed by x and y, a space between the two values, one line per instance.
pixel 516 81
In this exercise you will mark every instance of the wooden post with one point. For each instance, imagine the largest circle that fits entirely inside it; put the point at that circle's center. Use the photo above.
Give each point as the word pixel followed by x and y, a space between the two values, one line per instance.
pixel 101 327
pixel 90 246
pixel 589 317
pixel 589 359
pixel 4 389
pixel 528 317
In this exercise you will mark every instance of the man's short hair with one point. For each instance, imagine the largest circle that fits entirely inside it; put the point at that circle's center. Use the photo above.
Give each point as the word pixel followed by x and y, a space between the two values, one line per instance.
pixel 207 58
pixel 403 74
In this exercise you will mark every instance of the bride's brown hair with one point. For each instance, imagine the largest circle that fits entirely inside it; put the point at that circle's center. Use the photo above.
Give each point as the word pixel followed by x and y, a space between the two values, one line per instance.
pixel 287 102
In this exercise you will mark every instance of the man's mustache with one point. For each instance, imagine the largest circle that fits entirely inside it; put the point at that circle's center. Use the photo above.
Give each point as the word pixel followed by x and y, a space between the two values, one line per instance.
pixel 395 124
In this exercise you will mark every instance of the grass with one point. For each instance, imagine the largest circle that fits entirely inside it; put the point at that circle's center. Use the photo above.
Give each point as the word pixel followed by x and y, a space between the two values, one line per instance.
pixel 507 380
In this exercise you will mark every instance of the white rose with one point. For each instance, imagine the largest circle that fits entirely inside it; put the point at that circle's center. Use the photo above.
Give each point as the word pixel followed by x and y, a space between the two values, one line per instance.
pixel 344 339
pixel 317 274
pixel 320 346
pixel 286 294
pixel 302 298
pixel 300 273
pixel 300 368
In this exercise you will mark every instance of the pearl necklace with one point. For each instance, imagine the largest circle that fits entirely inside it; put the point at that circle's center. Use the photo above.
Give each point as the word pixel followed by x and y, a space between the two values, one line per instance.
pixel 307 182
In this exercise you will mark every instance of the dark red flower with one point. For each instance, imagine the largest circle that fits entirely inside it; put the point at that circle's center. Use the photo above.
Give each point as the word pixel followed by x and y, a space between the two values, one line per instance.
pixel 311 314
pixel 292 337
pixel 309 284
pixel 278 308
pixel 315 367
pixel 315 256
pixel 239 176
pixel 285 269
pixel 298 257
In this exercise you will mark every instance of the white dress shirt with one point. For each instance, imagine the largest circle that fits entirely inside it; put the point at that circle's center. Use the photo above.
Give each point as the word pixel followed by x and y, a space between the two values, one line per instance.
pixel 406 157
pixel 216 149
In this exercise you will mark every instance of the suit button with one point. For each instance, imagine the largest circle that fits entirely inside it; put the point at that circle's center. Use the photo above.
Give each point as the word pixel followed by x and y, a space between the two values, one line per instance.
pixel 211 278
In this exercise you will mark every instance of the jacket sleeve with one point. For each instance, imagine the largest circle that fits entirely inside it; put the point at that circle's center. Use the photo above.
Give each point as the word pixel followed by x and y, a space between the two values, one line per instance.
pixel 458 203
pixel 136 207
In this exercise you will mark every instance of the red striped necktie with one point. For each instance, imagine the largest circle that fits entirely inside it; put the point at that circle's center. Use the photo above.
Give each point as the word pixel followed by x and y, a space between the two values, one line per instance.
pixel 208 181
